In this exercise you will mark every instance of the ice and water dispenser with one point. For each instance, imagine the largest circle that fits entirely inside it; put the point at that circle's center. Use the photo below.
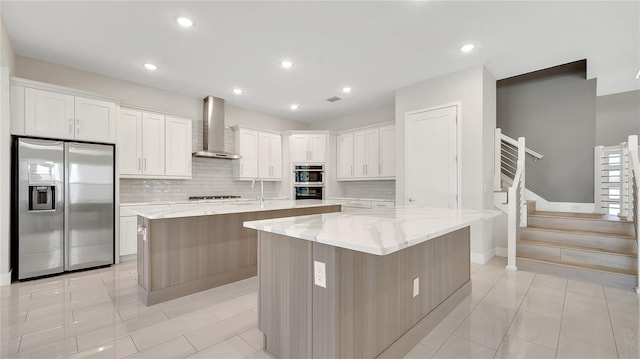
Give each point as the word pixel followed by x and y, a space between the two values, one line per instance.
pixel 42 198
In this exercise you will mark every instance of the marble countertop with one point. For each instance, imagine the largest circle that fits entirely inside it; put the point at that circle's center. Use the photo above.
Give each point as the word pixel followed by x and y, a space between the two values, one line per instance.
pixel 375 231
pixel 212 208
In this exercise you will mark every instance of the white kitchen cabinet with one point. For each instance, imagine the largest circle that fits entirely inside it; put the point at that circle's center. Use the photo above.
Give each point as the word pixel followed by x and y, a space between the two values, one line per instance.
pixel 57 115
pixel 128 235
pixel 49 114
pixel 308 147
pixel 130 142
pixel 366 153
pixel 178 147
pixel 261 153
pixel 95 120
pixel 269 156
pixel 344 156
pixel 152 145
pixel 388 151
pixel 246 145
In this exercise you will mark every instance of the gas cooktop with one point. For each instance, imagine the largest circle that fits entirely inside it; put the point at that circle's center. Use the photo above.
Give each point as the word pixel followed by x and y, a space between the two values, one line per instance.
pixel 224 196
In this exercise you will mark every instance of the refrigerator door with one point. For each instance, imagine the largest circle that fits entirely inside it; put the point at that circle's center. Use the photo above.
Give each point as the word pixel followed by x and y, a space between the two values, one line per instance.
pixel 89 216
pixel 40 207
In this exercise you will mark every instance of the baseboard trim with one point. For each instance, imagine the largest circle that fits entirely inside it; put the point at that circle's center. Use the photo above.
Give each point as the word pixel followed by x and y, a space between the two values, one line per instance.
pixel 5 278
pixel 544 205
pixel 483 258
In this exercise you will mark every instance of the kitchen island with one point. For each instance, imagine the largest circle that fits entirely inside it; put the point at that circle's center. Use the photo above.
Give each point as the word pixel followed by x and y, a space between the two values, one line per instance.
pixel 187 249
pixel 363 284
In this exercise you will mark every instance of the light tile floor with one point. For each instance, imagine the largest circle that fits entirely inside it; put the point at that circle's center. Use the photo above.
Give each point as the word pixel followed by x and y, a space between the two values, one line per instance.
pixel 97 314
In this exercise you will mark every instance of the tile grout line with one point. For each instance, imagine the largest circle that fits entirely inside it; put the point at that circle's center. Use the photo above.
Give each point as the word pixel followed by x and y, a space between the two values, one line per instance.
pixel 613 334
pixel 188 341
pixel 514 316
pixel 564 301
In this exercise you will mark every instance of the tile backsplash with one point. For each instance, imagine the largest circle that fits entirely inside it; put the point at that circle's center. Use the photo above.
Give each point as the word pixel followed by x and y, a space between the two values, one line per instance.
pixel 210 177
pixel 370 189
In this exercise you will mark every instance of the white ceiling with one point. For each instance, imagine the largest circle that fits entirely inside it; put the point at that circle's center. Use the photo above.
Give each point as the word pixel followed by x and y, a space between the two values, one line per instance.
pixel 374 47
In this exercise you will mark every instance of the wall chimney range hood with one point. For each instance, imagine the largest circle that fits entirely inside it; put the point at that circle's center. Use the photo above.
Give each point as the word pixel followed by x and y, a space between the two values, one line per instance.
pixel 213 131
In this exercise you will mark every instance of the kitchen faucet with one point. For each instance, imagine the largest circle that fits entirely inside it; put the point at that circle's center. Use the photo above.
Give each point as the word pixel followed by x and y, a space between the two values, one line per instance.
pixel 253 183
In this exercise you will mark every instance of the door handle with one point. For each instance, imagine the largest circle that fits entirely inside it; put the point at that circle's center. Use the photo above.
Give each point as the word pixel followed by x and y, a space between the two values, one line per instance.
pixel 77 126
pixel 70 126
pixel 411 200
pixel 139 164
pixel 145 164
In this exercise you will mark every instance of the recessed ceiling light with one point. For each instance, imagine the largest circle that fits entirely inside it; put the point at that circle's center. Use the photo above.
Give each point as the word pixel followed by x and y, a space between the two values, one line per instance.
pixel 294 107
pixel 150 67
pixel 467 47
pixel 238 91
pixel 287 64
pixel 346 89
pixel 186 22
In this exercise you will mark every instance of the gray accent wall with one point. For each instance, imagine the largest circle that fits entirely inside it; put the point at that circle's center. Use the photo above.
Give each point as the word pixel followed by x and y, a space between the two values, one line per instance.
pixel 556 114
pixel 617 117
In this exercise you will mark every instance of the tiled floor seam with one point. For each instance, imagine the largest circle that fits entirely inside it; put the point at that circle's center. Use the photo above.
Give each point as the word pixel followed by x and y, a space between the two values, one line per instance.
pixel 190 343
pixel 564 301
pixel 615 342
pixel 515 315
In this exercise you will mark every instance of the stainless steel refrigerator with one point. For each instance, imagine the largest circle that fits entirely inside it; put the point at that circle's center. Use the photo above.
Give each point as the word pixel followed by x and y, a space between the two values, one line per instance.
pixel 65 206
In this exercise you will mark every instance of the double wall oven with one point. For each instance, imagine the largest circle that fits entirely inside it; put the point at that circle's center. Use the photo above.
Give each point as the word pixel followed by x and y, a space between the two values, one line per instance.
pixel 308 181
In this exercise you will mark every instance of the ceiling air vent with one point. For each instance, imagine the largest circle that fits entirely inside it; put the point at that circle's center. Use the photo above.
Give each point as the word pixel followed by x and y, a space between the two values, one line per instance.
pixel 334 99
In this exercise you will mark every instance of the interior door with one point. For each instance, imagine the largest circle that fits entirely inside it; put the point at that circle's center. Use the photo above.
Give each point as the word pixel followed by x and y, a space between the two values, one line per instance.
pixel 89 216
pixel 431 169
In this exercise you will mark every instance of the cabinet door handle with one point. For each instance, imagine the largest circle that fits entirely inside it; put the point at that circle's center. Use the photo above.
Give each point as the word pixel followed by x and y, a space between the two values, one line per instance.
pixel 351 170
pixel 145 164
pixel 139 164
pixel 70 126
pixel 77 126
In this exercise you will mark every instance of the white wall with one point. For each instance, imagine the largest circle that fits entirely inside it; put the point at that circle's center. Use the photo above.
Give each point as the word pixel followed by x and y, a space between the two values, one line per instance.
pixel 475 90
pixel 361 119
pixel 7 61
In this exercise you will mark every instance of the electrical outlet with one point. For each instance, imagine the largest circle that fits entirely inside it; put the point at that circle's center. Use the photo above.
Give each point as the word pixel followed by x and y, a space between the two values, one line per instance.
pixel 319 274
pixel 416 286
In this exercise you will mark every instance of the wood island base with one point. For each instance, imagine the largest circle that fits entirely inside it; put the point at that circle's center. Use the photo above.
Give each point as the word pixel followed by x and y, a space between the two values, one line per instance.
pixel 367 308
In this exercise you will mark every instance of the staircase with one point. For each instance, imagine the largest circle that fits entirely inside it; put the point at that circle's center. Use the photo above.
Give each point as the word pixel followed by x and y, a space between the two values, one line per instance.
pixel 591 247
pixel 595 247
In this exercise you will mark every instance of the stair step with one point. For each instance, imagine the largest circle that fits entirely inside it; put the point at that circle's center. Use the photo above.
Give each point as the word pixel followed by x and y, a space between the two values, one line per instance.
pixel 591 222
pixel 602 275
pixel 576 254
pixel 577 247
pixel 611 242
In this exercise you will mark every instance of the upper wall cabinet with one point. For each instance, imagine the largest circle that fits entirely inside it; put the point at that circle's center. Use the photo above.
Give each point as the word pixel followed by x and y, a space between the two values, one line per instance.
pixel 152 145
pixel 308 147
pixel 49 114
pixel 366 154
pixel 270 156
pixel 177 150
pixel 261 153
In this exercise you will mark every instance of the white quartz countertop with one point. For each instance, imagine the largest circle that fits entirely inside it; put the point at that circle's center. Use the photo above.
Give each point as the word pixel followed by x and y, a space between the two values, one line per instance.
pixel 375 231
pixel 212 208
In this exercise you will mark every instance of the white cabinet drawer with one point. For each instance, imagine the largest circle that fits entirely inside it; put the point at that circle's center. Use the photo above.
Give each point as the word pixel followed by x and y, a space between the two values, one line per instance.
pixel 382 204
pixel 359 204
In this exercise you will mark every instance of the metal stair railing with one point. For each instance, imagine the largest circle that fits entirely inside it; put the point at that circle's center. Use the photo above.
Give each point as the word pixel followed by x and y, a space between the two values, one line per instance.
pixel 509 163
pixel 634 196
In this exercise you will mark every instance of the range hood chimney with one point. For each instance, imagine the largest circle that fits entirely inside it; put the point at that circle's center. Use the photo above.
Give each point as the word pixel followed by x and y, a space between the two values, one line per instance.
pixel 213 126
